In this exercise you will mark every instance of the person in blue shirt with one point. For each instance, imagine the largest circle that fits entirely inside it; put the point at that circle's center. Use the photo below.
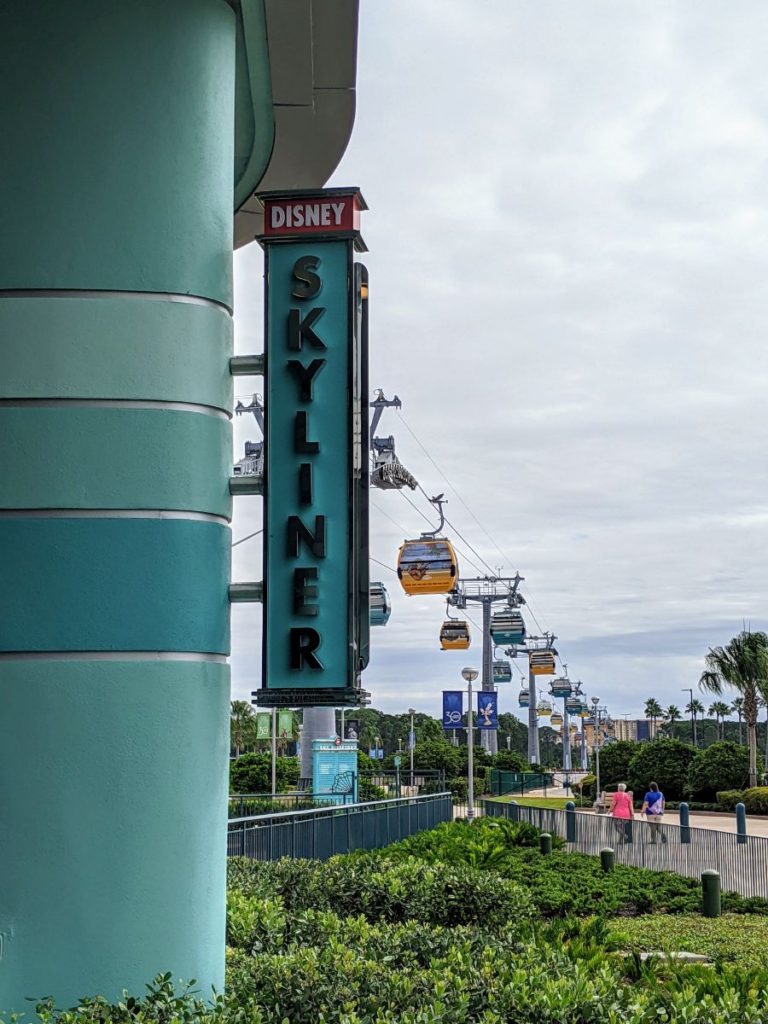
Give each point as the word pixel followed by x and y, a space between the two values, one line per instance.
pixel 653 809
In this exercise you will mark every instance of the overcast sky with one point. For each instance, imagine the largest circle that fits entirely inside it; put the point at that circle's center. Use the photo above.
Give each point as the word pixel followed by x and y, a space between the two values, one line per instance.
pixel 569 292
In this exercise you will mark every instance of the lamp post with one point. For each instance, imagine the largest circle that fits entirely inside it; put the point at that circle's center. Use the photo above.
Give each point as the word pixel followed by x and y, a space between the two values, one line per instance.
pixel 469 674
pixel 689 689
pixel 411 740
pixel 596 745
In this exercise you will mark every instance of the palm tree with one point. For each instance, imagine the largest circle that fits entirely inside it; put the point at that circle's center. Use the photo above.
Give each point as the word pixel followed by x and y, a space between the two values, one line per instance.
pixel 241 721
pixel 720 710
pixel 654 711
pixel 671 715
pixel 743 665
pixel 694 708
pixel 738 707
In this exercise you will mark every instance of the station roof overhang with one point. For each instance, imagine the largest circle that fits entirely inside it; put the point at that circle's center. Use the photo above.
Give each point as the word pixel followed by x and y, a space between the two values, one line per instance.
pixel 295 98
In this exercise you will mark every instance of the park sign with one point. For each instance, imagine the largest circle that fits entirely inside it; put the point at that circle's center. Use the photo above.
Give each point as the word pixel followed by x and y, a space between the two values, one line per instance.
pixel 316 586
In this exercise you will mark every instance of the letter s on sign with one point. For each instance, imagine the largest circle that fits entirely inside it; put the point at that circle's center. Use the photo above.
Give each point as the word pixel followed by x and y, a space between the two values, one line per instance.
pixel 308 284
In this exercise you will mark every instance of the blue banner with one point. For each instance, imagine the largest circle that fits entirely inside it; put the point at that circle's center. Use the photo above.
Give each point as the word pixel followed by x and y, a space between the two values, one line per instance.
pixel 453 703
pixel 487 710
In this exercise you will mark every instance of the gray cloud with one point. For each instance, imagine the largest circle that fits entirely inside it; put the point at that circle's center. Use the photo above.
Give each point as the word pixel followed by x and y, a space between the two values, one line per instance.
pixel 568 237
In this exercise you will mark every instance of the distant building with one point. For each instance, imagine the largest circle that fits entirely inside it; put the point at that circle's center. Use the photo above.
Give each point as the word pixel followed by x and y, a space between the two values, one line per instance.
pixel 637 729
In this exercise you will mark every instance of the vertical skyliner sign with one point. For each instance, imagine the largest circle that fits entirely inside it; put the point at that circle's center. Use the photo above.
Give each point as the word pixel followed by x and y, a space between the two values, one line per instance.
pixel 316 585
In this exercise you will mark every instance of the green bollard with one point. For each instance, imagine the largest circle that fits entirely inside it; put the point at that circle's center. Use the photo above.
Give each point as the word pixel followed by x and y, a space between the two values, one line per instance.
pixel 710 892
pixel 570 822
pixel 607 859
pixel 741 823
pixel 685 828
pixel 545 843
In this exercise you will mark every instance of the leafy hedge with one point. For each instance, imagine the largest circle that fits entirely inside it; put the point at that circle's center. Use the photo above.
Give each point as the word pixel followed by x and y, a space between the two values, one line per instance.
pixel 466 924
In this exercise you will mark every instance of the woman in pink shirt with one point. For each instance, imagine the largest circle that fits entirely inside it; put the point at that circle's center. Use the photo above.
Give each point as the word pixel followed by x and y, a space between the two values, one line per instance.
pixel 622 811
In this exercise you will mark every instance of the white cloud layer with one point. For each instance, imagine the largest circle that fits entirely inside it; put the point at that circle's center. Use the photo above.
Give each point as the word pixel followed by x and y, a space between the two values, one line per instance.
pixel 569 250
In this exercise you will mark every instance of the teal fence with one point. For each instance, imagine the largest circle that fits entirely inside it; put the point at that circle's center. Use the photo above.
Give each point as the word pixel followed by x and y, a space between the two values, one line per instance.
pixel 321 833
pixel 507 783
pixel 741 860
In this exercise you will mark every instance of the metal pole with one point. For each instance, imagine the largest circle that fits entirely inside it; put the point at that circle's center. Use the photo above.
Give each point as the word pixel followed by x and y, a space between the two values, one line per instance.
pixel 488 737
pixel 597 768
pixel 274 751
pixel 470 758
pixel 566 742
pixel 533 720
pixel 411 743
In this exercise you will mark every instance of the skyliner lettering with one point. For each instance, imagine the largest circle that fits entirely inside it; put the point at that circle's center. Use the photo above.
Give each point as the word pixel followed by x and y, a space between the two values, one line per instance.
pixel 305 641
pixel 316 594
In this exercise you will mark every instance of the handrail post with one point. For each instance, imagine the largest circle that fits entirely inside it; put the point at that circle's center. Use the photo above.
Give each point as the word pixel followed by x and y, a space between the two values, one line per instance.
pixel 741 823
pixel 570 822
pixel 685 828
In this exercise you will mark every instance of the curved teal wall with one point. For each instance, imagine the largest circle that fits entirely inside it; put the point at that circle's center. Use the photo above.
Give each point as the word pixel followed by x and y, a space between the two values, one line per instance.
pixel 124 857
pixel 116 201
pixel 127 110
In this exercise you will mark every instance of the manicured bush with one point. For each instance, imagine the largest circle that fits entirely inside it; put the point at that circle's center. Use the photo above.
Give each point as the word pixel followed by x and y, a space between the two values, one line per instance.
pixel 407 889
pixel 721 766
pixel 458 787
pixel 663 761
pixel 510 761
pixel 437 755
pixel 728 798
pixel 368 790
pixel 587 787
pixel 756 800
pixel 252 773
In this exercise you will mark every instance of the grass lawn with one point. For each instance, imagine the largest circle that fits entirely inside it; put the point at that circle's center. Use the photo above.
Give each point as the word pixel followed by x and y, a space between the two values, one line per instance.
pixel 555 803
pixel 737 938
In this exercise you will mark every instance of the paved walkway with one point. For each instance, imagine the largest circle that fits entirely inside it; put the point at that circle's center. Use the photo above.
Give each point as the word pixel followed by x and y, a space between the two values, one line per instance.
pixel 720 822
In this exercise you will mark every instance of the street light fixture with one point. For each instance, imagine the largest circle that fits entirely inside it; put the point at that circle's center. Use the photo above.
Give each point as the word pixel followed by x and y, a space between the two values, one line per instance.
pixel 596 745
pixel 470 674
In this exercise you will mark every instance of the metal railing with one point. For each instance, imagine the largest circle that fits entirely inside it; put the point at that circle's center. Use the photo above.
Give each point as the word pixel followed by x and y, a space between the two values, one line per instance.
pixel 504 783
pixel 741 860
pixel 243 805
pixel 325 831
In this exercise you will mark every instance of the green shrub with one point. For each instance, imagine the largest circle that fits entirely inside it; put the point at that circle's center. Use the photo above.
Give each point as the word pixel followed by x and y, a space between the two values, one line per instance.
pixel 437 755
pixel 614 762
pixel 368 790
pixel 252 773
pixel 663 761
pixel 588 787
pixel 510 761
pixel 721 766
pixel 728 798
pixel 458 787
pixel 756 800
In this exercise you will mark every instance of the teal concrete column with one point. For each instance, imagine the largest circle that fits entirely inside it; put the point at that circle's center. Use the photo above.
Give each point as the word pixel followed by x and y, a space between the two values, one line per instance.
pixel 116 205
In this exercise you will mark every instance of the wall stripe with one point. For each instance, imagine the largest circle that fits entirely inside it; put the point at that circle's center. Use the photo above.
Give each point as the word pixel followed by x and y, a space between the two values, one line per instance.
pixel 106 348
pixel 71 456
pixel 114 584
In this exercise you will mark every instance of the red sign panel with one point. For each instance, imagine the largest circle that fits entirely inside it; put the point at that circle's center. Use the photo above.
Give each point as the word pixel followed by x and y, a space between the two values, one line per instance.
pixel 311 215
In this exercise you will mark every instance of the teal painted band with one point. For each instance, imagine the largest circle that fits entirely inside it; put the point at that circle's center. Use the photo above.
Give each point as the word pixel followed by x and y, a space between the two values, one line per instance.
pixel 119 348
pixel 113 585
pixel 114 867
pixel 86 457
pixel 118 156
